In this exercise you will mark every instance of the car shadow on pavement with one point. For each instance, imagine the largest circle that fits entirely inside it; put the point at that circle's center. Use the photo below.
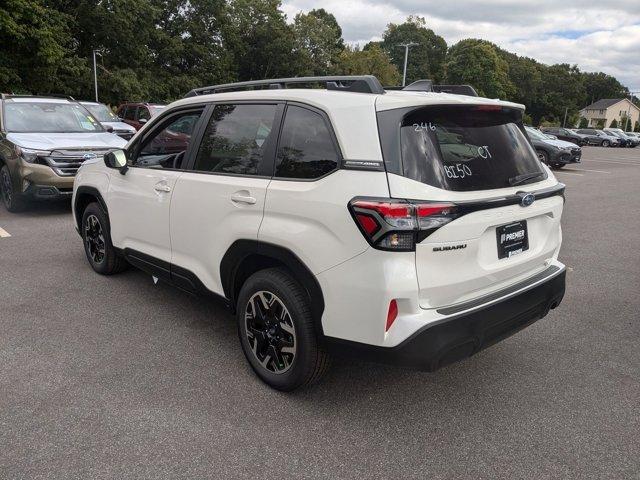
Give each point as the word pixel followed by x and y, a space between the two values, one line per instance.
pixel 39 209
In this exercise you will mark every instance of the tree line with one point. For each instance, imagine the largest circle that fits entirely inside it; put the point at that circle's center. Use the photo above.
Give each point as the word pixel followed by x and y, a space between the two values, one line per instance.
pixel 157 50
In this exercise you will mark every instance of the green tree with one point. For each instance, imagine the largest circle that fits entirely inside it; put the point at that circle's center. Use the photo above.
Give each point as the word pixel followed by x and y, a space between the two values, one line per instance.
pixel 426 60
pixel 261 42
pixel 525 75
pixel 318 41
pixel 477 63
pixel 637 127
pixel 614 124
pixel 37 48
pixel 599 85
pixel 563 92
pixel 584 123
pixel 373 61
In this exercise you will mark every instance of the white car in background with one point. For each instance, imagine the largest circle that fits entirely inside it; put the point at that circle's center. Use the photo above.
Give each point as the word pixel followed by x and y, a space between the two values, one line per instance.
pixel 110 120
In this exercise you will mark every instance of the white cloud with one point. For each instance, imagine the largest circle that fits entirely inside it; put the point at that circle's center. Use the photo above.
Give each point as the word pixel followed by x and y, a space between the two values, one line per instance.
pixel 597 36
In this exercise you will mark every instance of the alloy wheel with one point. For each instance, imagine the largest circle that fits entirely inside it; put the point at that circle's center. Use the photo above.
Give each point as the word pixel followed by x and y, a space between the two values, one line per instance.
pixel 270 332
pixel 94 239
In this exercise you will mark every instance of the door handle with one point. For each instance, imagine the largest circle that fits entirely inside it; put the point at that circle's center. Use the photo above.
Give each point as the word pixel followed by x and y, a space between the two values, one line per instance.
pixel 238 198
pixel 160 187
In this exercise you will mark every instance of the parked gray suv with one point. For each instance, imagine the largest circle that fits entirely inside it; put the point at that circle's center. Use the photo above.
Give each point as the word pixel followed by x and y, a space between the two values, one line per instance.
pixel 43 142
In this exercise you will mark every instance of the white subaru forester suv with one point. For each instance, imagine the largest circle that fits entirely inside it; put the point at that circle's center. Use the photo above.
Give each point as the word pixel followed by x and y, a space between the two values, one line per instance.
pixel 412 226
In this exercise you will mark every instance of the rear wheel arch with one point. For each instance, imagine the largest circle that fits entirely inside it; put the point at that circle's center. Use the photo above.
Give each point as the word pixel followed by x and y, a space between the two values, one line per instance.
pixel 246 257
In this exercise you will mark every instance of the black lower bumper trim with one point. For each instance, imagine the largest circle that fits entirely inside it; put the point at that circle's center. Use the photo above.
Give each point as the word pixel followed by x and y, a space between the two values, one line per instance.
pixel 47 192
pixel 461 336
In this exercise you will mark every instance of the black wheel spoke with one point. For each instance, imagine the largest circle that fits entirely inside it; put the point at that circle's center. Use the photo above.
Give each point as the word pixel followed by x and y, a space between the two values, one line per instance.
pixel 94 239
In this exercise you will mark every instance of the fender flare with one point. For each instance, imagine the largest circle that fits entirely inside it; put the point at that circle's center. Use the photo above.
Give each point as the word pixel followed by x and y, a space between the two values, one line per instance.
pixel 82 192
pixel 237 261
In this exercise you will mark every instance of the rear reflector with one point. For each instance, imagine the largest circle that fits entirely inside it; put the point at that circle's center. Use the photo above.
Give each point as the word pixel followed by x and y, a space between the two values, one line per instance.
pixel 392 314
pixel 399 224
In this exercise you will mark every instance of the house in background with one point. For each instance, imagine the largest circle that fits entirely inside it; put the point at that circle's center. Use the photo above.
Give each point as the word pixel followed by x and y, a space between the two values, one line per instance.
pixel 601 113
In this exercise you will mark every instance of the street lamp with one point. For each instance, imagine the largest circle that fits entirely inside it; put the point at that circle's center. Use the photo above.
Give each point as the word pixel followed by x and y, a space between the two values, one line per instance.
pixel 95 71
pixel 406 56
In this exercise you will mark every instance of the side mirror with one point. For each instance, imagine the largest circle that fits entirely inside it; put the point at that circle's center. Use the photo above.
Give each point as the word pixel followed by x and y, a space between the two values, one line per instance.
pixel 116 159
pixel 143 120
pixel 109 128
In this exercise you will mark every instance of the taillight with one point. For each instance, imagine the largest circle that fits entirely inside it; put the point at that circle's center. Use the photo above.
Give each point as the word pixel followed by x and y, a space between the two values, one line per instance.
pixel 398 224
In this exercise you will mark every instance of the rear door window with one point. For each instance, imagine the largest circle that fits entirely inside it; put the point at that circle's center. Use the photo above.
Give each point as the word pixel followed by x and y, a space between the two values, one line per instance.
pixel 468 148
pixel 237 139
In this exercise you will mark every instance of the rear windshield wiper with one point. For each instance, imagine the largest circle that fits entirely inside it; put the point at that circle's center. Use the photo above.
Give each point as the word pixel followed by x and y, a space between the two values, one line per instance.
pixel 520 179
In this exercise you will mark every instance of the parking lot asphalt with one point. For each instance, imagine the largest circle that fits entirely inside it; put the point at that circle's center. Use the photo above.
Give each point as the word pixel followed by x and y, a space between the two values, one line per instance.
pixel 115 377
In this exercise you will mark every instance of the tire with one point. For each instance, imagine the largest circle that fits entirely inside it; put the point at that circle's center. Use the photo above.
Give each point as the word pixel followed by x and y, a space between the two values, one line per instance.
pixel 543 156
pixel 557 166
pixel 275 322
pixel 12 200
pixel 605 143
pixel 96 237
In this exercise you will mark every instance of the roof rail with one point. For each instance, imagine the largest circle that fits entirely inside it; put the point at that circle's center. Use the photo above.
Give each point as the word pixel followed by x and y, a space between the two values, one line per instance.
pixel 428 86
pixel 53 95
pixel 345 83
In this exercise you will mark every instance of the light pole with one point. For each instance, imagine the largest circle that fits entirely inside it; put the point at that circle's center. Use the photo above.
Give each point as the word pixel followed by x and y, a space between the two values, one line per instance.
pixel 628 119
pixel 406 57
pixel 95 72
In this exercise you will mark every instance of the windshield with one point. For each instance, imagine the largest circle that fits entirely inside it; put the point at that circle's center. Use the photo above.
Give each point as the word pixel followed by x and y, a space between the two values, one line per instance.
pixel 49 117
pixel 156 109
pixel 533 133
pixel 467 148
pixel 101 112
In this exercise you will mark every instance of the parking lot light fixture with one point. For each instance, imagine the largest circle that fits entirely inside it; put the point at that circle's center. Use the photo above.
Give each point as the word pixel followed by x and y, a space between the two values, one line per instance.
pixel 95 71
pixel 406 57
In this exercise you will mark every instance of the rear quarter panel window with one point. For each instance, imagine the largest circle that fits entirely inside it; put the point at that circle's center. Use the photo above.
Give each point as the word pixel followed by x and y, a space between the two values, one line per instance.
pixel 306 149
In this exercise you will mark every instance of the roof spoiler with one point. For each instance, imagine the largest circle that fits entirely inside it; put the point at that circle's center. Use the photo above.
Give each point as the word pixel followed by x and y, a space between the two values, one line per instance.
pixel 428 86
pixel 344 83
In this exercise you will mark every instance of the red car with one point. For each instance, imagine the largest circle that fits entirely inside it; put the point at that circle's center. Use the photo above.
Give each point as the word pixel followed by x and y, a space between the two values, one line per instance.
pixel 137 114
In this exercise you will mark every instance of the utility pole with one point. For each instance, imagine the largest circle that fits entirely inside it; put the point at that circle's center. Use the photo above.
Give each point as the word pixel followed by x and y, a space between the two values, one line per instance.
pixel 628 120
pixel 564 122
pixel 95 72
pixel 406 57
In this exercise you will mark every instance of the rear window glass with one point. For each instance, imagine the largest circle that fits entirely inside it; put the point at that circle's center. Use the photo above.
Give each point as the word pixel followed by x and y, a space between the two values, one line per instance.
pixel 469 148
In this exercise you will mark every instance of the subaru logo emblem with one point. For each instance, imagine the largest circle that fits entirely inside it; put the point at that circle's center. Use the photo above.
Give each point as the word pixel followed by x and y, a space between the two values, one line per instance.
pixel 527 199
pixel 89 156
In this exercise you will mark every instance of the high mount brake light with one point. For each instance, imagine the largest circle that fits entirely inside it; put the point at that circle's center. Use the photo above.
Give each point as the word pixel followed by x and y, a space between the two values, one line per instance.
pixel 487 108
pixel 398 224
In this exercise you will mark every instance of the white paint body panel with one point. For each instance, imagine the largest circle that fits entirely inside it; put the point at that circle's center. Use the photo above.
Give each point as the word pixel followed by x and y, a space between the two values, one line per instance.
pixel 205 220
pixel 312 219
pixel 139 214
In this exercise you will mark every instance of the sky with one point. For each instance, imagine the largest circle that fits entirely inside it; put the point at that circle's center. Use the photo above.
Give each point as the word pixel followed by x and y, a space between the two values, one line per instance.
pixel 597 36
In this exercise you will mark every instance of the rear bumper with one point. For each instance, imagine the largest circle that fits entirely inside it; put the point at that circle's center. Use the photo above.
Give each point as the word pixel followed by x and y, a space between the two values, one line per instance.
pixel 464 334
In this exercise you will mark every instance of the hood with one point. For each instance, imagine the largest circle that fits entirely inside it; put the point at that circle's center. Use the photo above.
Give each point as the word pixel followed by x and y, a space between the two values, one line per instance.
pixel 119 126
pixel 52 141
pixel 561 143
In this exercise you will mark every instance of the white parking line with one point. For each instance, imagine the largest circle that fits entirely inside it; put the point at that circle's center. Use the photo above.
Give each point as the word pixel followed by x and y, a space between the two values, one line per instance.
pixel 594 171
pixel 637 164
pixel 570 172
pixel 4 233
